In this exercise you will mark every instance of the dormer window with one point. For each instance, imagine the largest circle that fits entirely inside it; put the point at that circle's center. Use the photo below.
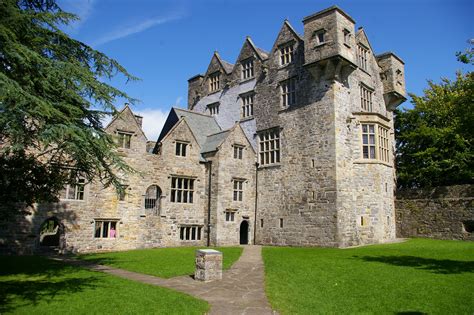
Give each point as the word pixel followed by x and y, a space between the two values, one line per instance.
pixel 320 36
pixel 247 69
pixel 181 148
pixel 214 82
pixel 286 54
pixel 213 109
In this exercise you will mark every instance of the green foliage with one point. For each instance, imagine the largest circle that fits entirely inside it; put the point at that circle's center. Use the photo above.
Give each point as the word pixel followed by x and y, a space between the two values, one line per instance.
pixel 53 95
pixel 36 285
pixel 417 277
pixel 435 138
pixel 161 262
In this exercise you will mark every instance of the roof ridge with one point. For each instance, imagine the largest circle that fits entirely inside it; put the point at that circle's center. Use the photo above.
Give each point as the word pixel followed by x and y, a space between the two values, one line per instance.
pixel 193 112
pixel 222 131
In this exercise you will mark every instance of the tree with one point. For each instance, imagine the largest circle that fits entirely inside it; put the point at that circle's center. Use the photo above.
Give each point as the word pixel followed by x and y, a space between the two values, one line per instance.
pixel 53 96
pixel 434 139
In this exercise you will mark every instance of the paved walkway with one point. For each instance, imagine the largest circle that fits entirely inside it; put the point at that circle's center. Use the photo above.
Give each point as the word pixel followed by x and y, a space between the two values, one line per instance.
pixel 241 290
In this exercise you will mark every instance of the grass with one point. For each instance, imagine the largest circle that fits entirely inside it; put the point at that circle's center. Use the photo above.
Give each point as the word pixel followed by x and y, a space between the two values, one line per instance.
pixel 418 277
pixel 36 285
pixel 160 262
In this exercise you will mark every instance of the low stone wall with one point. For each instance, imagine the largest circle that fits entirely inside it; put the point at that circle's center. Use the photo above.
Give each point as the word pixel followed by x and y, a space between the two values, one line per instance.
pixel 441 213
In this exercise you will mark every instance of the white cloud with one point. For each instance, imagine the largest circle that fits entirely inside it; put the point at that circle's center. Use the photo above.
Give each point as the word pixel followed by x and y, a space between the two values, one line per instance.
pixel 135 29
pixel 82 8
pixel 177 103
pixel 153 121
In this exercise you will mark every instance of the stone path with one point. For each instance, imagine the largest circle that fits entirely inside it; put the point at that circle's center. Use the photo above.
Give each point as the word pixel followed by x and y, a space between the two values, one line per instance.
pixel 241 290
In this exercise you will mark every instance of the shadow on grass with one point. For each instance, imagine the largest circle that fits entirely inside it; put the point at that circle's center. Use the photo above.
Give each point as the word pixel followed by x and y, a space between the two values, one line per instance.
pixel 27 280
pixel 440 266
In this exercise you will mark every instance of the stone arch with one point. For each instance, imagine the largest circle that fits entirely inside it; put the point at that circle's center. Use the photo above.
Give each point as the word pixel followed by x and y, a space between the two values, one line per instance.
pixel 51 233
pixel 244 232
pixel 153 198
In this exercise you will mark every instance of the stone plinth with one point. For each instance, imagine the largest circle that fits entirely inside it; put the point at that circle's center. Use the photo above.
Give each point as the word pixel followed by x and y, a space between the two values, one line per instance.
pixel 208 265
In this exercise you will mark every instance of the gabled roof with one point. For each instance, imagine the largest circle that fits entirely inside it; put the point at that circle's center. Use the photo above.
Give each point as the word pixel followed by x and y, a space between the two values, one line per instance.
pixel 125 109
pixel 200 125
pixel 214 141
pixel 361 34
pixel 287 23
pixel 227 66
pixel 262 54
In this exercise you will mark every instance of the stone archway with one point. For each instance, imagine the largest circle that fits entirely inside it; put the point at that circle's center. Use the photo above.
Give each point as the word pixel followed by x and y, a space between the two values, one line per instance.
pixel 244 232
pixel 50 233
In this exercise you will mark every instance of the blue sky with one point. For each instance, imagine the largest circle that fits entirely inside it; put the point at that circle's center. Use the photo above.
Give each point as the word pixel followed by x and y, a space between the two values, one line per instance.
pixel 166 42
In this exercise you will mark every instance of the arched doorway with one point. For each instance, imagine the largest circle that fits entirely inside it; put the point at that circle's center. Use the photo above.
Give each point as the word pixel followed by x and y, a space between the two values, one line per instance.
pixel 50 233
pixel 153 198
pixel 244 232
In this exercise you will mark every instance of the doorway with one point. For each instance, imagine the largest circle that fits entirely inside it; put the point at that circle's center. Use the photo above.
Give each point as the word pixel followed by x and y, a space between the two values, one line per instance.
pixel 244 232
pixel 50 233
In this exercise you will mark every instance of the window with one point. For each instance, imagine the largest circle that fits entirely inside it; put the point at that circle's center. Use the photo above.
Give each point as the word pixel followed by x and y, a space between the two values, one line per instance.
pixel 182 189
pixel 238 151
pixel 362 53
pixel 286 54
pixel 384 151
pixel 375 142
pixel 247 69
pixel 214 82
pixel 105 229
pixel 124 139
pixel 230 216
pixel 320 36
pixel 363 221
pixel 368 141
pixel 261 223
pixel 238 189
pixel 365 99
pixel 288 92
pixel 269 147
pixel 247 105
pixel 181 148
pixel 123 192
pixel 281 222
pixel 347 36
pixel 190 233
pixel 74 190
pixel 152 197
pixel 213 108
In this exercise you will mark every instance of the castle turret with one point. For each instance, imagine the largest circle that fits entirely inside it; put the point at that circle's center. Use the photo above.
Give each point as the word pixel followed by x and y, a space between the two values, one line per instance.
pixel 329 43
pixel 392 74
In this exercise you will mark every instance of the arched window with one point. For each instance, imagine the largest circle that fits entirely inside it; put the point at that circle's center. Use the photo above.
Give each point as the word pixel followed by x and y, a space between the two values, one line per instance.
pixel 152 197
pixel 49 232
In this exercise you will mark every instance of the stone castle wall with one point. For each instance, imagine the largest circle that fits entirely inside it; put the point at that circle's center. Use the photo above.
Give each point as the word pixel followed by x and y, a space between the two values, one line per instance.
pixel 441 213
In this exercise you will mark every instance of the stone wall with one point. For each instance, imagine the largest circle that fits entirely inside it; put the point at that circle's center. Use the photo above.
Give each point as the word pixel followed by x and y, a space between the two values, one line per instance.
pixel 441 213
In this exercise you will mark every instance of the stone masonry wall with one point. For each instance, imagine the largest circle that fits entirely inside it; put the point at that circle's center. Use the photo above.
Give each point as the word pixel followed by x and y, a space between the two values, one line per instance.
pixel 440 213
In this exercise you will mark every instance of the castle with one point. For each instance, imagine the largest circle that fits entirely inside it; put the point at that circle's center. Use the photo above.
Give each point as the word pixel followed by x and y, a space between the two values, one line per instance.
pixel 294 146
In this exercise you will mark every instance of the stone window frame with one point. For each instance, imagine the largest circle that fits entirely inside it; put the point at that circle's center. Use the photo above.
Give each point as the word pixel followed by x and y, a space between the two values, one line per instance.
pixel 214 82
pixel 181 147
pixel 247 104
pixel 280 223
pixel 124 139
pixel 191 232
pixel 288 92
pixel 383 149
pixel 100 230
pixel 75 190
pixel 238 189
pixel 213 108
pixel 366 97
pixel 320 36
pixel 269 146
pixel 184 192
pixel 287 53
pixel 238 151
pixel 230 215
pixel 377 139
pixel 247 69
pixel 362 56
pixel 347 35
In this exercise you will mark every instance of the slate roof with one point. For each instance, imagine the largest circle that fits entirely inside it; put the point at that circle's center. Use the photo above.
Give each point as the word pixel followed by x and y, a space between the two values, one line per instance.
pixel 227 66
pixel 214 141
pixel 201 125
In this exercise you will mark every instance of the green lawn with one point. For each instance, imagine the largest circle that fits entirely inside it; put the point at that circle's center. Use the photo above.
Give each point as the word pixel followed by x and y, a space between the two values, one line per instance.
pixel 160 262
pixel 36 285
pixel 419 276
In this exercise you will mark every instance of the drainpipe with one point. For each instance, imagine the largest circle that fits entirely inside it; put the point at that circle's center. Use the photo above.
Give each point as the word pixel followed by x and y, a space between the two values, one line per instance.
pixel 209 206
pixel 256 197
